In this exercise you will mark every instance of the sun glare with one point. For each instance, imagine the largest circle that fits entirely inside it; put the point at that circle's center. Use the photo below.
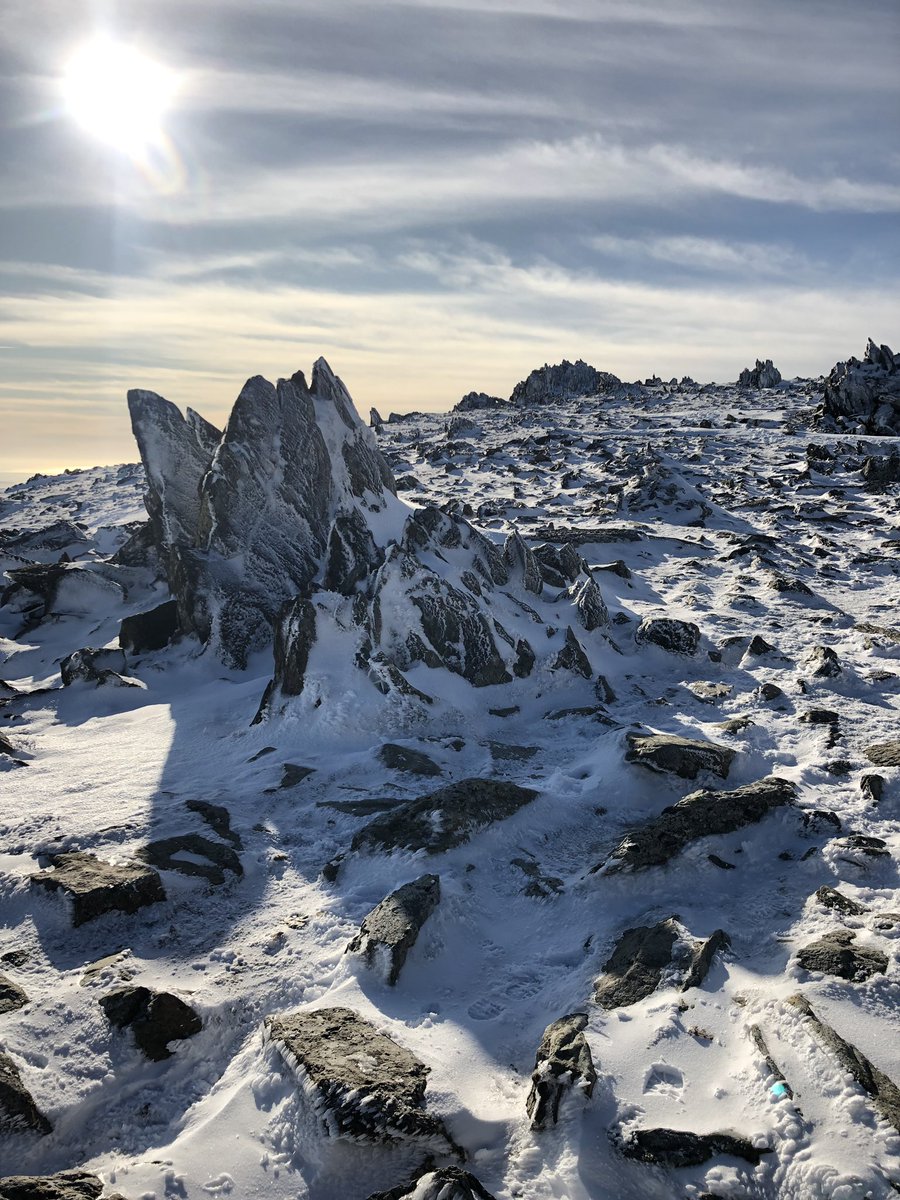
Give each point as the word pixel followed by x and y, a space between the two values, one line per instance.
pixel 118 94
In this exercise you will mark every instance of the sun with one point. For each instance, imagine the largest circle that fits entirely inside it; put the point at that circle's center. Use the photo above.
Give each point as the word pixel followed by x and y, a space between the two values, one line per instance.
pixel 118 94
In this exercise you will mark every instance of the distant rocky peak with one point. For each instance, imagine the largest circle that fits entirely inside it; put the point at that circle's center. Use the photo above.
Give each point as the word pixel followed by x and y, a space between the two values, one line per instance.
pixel 763 375
pixel 563 382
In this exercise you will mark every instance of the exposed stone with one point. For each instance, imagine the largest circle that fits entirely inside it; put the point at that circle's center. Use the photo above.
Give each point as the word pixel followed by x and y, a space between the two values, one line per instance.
pixel 684 757
pixel 563 1062
pixel 67 1185
pixel 155 1018
pixel 830 897
pixel 92 666
pixel 872 787
pixel 292 774
pixel 547 384
pixel 589 604
pixel 18 1111
pixel 443 819
pixel 835 954
pixel 405 758
pixel 702 958
pixel 390 930
pixel 351 555
pixel 151 630
pixel 522 565
pixel 770 691
pixel 865 393
pixel 678 637
pixel 759 646
pixel 12 997
pixel 885 754
pixel 446 1183
pixel 636 966
pixel 95 887
pixel 681 1148
pixel 880 472
pixel 473 401
pixel 361 1083
pixel 181 852
pixel 760 1042
pixel 884 1092
pixel 701 814
pixel 823 663
pixel 572 657
pixel 711 693
pixel 763 375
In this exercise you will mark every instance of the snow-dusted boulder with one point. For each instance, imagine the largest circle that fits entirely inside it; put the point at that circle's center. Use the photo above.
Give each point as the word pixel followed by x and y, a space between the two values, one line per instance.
pixel 563 1062
pixel 389 932
pixel 763 375
pixel 562 382
pixel 864 393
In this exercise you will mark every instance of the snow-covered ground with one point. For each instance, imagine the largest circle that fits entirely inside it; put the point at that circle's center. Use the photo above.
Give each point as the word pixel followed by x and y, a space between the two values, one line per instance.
pixel 716 513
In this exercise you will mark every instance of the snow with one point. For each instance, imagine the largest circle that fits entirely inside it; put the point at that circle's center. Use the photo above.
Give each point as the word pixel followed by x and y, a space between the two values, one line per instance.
pixel 112 768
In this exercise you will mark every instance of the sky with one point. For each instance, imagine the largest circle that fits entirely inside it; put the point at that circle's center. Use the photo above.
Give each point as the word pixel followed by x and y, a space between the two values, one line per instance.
pixel 438 197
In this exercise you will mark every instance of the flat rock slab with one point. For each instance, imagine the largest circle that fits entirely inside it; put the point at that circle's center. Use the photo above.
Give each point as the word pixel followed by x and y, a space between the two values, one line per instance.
pixel 885 754
pixel 446 1183
pixel 684 757
pixel 563 1061
pixel 390 930
pixel 443 819
pixel 155 1018
pixel 95 887
pixel 835 954
pixel 67 1185
pixel 698 815
pixel 18 1111
pixel 362 1084
pixel 681 1148
pixel 12 997
pixel 404 758
pixel 165 854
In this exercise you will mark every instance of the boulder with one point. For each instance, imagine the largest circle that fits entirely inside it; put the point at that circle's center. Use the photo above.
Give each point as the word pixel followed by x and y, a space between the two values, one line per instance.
pixel 18 1111
pixel 823 663
pixel 441 820
pixel 702 956
pixel 12 997
pixel 92 666
pixel 404 758
pixel 66 1185
pixel 155 1018
pixel 642 955
pixel 566 380
pixel 872 787
pixel 763 375
pixel 830 897
pixel 563 1062
pixel 360 1083
pixel 701 814
pixel 151 630
pixel 684 757
pixel 94 887
pixel 880 471
pixel 884 754
pixel 390 930
pixel 678 637
pixel 681 1148
pixel 446 1183
pixel 590 606
pixel 180 853
pixel 835 954
pixel 524 569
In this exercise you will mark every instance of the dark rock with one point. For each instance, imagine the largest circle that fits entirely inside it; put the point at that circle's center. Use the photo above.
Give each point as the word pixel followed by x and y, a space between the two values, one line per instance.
pixel 95 887
pixel 443 819
pixel 770 691
pixel 884 1092
pixel 473 401
pixel 563 1061
pixel 701 814
pixel 872 787
pixel 566 380
pixel 524 661
pixel 885 754
pixel 559 566
pixel 522 565
pixel 295 636
pixel 615 568
pixel 720 863
pixel 67 1185
pixel 865 844
pixel 865 393
pixel 678 637
pixel 18 1111
pixel 294 773
pixel 788 586
pixel 166 855
pixel 12 997
pixel 760 1042
pixel 759 646
pixel 590 606
pixel 92 666
pixel 823 663
pixel 375 418
pixel 763 375
pixel 636 965
pixel 446 1183
pixel 352 554
pixel 830 897
pixel 152 630
pixel 404 758
pixel 15 958
pixel 509 753
pixel 217 818
pixel 711 693
pixel 880 472
pixel 702 958
pixel 572 657
pixel 361 1084
pixel 392 927
pixel 681 1148
pixel 683 757
pixel 155 1018
pixel 835 954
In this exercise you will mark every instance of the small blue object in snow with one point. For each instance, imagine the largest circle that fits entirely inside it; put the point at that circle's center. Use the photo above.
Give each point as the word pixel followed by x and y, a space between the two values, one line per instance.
pixel 778 1090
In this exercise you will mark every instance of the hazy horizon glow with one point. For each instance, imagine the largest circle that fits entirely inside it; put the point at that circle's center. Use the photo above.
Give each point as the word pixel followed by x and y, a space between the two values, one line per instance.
pixel 437 197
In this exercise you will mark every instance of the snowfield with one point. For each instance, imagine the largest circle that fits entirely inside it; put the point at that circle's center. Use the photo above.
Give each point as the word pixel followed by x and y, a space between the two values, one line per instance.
pixel 716 506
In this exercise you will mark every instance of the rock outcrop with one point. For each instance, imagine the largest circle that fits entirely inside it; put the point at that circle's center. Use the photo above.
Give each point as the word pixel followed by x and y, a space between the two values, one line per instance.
pixel 476 401
pixel 763 375
pixel 835 954
pixel 389 932
pixel 864 394
pixel 94 887
pixel 643 955
pixel 562 382
pixel 678 637
pixel 446 1183
pixel 66 1185
pixel 563 1062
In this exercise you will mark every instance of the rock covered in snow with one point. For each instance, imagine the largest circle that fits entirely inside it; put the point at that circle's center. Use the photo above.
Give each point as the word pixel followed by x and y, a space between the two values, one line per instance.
pixel 563 1062
pixel 94 887
pixel 92 666
pixel 18 1111
pixel 446 1183
pixel 474 401
pixel 547 384
pixel 678 637
pixel 865 393
pixel 390 930
pixel 763 375
pixel 685 757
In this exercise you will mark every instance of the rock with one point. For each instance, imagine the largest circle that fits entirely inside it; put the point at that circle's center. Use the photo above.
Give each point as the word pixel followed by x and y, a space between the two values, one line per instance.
pixel 443 819
pixel 615 568
pixel 180 854
pixel 759 646
pixel 763 375
pixel 572 657
pixel 18 1111
pixel 681 1148
pixel 292 774
pixel 864 393
pixel 563 382
pixel 701 814
pixel 67 1185
pixel 636 965
pixel 404 758
pixel 12 997
pixel 375 418
pixel 884 1092
pixel 866 845
pixel 678 637
pixel 559 566
pixel 835 954
pixel 390 930
pixel 94 887
pixel 760 1042
pixel 885 754
pixel 92 666
pixel 563 1061
pixel 446 1183
pixel 474 401
pixel 823 663
pixel 830 897
pixel 155 1018
pixel 711 693
pixel 880 472
pixel 352 554
pixel 151 630
pixel 770 691
pixel 702 958
pixel 522 565
pixel 872 787
pixel 589 604
pixel 679 756
pixel 360 1083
